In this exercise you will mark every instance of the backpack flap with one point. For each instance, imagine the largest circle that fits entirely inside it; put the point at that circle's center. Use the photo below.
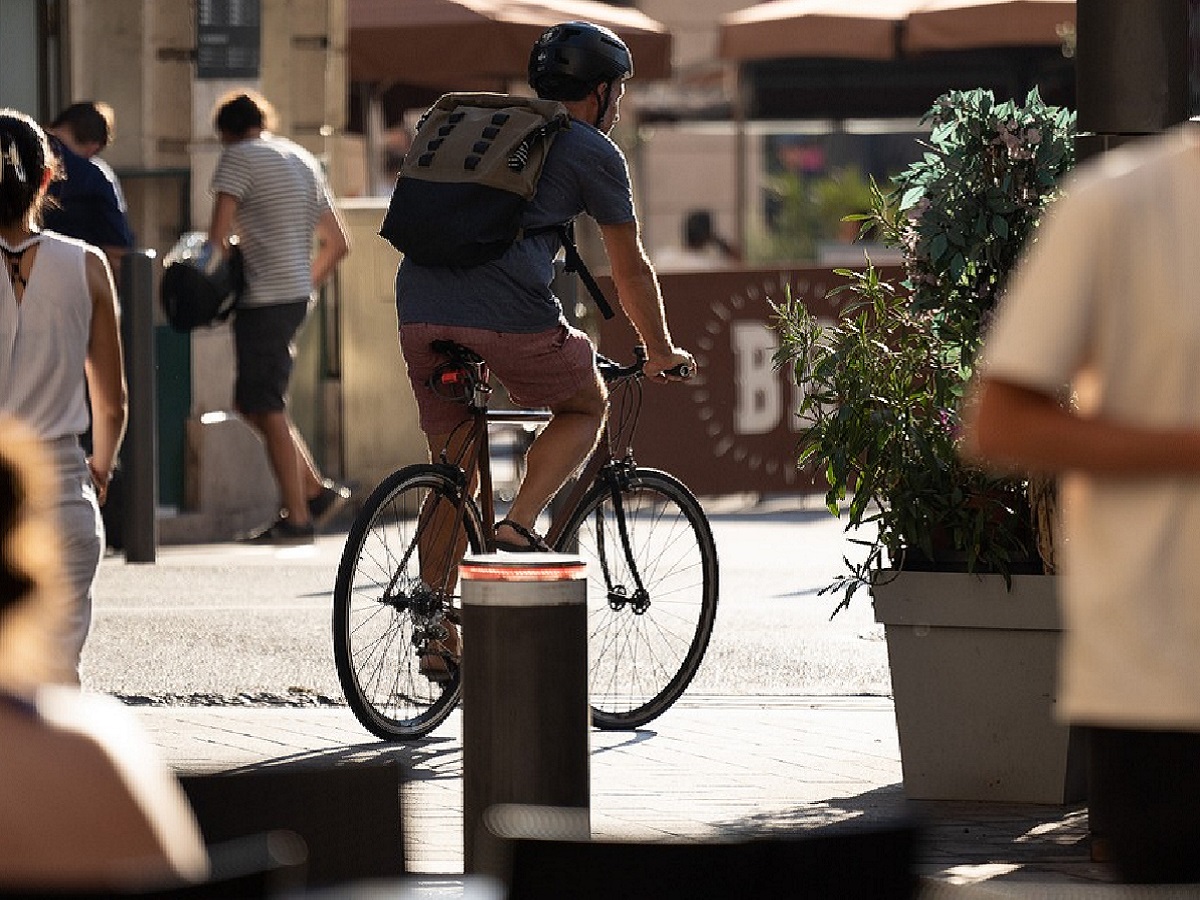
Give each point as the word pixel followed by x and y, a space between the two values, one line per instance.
pixel 453 225
pixel 472 169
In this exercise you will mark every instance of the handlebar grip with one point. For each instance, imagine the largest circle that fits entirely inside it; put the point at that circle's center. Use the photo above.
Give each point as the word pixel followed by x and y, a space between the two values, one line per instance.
pixel 683 370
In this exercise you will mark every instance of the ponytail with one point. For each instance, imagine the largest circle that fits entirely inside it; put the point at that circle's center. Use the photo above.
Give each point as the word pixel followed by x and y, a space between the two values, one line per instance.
pixel 24 155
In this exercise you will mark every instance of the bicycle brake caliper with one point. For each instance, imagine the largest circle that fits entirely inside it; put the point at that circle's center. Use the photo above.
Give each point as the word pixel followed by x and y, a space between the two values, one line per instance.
pixel 620 472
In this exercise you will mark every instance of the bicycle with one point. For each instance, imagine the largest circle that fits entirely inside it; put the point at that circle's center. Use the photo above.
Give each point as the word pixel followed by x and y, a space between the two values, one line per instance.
pixel 651 561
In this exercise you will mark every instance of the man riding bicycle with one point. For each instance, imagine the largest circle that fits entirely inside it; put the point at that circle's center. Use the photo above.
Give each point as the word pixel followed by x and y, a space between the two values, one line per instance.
pixel 505 310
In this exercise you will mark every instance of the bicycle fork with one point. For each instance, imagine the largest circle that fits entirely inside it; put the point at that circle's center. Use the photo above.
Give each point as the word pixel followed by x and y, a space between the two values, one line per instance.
pixel 618 594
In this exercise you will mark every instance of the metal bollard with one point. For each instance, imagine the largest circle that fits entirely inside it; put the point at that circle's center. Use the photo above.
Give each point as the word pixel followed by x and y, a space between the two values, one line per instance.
pixel 525 706
pixel 139 454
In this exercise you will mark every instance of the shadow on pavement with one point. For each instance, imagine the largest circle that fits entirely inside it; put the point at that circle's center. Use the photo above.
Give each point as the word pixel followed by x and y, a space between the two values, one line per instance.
pixel 428 759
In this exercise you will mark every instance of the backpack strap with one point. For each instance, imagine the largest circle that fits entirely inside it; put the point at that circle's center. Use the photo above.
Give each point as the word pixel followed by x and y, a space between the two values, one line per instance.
pixel 575 264
pixel 566 234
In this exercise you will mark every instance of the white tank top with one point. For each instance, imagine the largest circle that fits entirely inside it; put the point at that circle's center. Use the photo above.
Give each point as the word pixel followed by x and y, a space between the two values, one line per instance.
pixel 44 339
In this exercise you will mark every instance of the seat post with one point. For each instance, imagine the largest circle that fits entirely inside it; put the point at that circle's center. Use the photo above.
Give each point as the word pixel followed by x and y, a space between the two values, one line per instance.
pixel 481 459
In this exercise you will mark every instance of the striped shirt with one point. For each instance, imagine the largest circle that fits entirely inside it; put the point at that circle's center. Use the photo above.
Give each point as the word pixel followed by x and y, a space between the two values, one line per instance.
pixel 281 194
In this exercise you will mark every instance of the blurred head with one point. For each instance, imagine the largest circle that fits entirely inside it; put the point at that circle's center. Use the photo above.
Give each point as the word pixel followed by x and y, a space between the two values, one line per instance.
pixel 33 606
pixel 697 228
pixel 573 60
pixel 240 112
pixel 90 124
pixel 26 167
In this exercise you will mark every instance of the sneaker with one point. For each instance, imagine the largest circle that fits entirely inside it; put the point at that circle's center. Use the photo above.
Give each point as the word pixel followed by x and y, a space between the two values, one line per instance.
pixel 329 502
pixel 283 532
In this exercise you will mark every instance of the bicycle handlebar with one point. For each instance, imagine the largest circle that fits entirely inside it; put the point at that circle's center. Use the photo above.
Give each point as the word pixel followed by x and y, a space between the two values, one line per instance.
pixel 614 371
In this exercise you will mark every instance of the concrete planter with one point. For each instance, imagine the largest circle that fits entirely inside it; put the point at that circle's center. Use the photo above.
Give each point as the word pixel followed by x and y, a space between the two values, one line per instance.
pixel 973 674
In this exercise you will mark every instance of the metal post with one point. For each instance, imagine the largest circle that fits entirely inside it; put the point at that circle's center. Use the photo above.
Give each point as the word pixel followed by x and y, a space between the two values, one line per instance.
pixel 140 451
pixel 1131 70
pixel 525 702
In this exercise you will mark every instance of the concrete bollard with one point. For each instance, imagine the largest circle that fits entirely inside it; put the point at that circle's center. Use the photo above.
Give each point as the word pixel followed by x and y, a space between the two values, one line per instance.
pixel 525 706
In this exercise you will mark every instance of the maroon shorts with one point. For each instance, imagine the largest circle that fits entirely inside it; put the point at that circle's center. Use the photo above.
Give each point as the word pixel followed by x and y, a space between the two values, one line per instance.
pixel 538 370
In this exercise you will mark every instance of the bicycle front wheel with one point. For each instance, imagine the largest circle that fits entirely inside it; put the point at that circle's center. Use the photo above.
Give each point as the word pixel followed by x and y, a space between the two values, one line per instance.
pixel 652 593
pixel 386 616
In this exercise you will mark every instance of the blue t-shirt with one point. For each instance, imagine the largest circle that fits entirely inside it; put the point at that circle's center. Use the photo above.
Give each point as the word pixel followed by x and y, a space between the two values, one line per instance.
pixel 89 205
pixel 585 172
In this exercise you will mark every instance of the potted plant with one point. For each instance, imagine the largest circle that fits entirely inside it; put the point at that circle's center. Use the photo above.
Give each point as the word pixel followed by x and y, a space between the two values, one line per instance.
pixel 954 555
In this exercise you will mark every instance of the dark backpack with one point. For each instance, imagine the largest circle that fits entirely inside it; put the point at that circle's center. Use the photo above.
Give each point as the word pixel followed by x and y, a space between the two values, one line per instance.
pixel 464 184
pixel 200 287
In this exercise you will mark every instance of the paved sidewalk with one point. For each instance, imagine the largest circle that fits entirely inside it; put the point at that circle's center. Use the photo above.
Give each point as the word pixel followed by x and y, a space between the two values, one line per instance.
pixel 221 623
pixel 711 767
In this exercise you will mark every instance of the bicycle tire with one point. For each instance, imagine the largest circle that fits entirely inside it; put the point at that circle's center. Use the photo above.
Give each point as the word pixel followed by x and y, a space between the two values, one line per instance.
pixel 639 663
pixel 381 608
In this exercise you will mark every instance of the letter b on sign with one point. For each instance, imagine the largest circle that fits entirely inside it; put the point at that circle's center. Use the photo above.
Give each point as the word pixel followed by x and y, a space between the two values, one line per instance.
pixel 758 404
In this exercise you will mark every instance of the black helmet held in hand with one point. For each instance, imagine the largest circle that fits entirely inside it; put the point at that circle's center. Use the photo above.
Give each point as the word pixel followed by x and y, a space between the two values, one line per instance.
pixel 571 59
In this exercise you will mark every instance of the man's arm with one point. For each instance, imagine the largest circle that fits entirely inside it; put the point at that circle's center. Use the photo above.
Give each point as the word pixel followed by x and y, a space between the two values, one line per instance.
pixel 333 243
pixel 115 216
pixel 116 225
pixel 1010 427
pixel 220 225
pixel 641 299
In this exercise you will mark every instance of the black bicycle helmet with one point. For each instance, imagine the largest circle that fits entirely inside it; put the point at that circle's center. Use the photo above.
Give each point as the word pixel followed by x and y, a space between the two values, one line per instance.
pixel 578 52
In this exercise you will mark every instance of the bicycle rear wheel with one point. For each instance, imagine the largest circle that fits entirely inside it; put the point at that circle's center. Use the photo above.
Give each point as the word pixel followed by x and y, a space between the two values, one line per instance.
pixel 651 599
pixel 385 615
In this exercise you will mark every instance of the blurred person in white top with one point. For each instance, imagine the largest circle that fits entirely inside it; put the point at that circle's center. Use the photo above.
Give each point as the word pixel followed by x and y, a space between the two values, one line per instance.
pixel 85 802
pixel 1105 309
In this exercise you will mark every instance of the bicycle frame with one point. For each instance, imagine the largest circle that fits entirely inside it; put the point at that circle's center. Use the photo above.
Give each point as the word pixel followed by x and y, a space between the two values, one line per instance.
pixel 472 470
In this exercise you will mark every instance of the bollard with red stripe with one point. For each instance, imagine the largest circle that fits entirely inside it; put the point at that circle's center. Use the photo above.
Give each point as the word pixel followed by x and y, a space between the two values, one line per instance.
pixel 525 713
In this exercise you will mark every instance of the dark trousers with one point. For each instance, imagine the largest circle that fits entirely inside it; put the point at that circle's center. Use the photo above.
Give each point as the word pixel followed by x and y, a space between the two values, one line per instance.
pixel 1144 802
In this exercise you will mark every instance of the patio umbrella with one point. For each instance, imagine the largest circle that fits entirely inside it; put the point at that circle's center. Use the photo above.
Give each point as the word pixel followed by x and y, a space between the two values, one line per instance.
pixel 864 29
pixel 464 44
pixel 970 24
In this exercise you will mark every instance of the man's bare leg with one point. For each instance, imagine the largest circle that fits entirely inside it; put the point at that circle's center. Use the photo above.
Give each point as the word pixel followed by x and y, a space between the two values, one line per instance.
pixel 441 546
pixel 439 526
pixel 310 476
pixel 560 449
pixel 286 461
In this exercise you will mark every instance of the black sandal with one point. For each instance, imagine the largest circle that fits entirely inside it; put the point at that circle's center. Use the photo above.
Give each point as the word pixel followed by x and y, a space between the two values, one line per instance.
pixel 534 543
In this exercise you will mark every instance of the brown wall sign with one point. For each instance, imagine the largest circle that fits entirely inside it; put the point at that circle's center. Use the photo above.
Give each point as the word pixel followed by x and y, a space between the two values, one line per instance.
pixel 733 427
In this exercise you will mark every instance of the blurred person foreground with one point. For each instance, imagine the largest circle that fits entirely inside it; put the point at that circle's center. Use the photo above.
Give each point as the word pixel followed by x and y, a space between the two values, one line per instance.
pixel 1088 373
pixel 85 802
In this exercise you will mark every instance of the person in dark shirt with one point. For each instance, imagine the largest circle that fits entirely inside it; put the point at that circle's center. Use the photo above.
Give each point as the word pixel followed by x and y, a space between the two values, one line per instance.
pixel 88 204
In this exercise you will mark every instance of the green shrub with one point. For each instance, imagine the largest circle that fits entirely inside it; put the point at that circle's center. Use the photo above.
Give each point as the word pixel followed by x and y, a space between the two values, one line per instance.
pixel 884 383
